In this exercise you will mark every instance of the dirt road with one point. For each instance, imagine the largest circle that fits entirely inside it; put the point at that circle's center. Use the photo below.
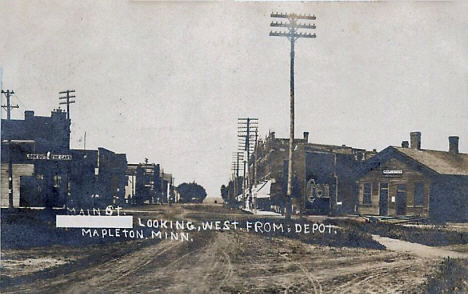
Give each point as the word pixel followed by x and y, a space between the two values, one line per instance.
pixel 233 262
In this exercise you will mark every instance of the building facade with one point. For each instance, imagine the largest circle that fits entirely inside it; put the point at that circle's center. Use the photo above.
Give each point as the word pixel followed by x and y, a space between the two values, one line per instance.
pixel 410 181
pixel 324 175
pixel 45 172
pixel 36 156
pixel 143 184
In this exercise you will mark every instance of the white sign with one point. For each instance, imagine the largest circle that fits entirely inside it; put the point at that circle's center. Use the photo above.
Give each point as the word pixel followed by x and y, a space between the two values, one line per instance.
pixel 49 156
pixel 94 221
pixel 392 172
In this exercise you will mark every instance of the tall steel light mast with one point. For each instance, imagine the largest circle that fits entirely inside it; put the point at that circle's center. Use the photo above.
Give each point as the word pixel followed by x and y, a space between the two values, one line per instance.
pixel 295 30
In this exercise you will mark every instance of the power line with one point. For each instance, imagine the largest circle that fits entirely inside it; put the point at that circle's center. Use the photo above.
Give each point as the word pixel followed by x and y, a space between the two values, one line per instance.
pixel 246 127
pixel 21 102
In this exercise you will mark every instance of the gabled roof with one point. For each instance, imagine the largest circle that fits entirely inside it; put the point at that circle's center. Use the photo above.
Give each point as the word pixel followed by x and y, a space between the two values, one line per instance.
pixel 430 162
pixel 444 163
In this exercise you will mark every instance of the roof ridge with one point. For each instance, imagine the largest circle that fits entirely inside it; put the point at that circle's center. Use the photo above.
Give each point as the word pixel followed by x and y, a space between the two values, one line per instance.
pixel 430 150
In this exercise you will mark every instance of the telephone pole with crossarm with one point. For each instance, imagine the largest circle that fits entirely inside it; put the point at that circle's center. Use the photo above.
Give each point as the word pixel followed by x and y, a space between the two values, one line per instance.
pixel 295 30
pixel 8 107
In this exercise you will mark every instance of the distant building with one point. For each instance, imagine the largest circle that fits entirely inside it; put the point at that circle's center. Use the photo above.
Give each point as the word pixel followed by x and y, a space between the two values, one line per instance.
pixel 411 181
pixel 167 188
pixel 97 178
pixel 143 183
pixel 111 179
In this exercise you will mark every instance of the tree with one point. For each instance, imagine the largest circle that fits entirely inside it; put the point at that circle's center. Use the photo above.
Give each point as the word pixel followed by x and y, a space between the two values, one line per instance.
pixel 224 193
pixel 191 193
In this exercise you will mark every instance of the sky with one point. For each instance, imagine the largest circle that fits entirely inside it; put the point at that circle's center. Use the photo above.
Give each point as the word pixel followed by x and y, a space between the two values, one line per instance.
pixel 167 80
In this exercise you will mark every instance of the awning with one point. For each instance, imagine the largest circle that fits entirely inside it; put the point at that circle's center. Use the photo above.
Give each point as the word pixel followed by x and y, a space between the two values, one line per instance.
pixel 262 190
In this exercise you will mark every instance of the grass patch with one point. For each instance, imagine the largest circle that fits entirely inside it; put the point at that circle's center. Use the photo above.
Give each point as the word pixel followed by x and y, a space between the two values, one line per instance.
pixel 338 237
pixel 451 277
pixel 346 236
pixel 436 236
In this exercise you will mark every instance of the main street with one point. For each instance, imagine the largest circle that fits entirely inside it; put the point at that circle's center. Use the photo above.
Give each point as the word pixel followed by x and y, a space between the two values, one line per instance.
pixel 231 261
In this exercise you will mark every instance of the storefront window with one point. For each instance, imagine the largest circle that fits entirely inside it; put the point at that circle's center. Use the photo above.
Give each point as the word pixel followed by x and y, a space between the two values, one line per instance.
pixel 57 181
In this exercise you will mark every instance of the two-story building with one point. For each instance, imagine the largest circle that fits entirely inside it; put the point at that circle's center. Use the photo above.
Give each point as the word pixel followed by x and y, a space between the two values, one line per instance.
pixel 324 175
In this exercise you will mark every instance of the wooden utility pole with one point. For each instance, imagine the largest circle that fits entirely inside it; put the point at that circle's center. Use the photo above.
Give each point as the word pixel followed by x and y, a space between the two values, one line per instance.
pixel 8 108
pixel 237 156
pixel 67 101
pixel 162 186
pixel 246 126
pixel 292 35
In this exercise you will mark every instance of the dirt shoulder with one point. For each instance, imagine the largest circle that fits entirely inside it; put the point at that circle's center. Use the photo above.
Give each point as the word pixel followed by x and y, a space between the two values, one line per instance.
pixel 212 262
pixel 239 262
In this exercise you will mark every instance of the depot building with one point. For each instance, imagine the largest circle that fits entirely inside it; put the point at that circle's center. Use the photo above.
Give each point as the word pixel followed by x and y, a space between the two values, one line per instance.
pixel 410 181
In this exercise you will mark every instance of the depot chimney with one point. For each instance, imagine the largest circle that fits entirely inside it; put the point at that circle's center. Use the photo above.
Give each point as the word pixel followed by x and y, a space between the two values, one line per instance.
pixel 405 144
pixel 453 144
pixel 306 137
pixel 415 140
pixel 28 114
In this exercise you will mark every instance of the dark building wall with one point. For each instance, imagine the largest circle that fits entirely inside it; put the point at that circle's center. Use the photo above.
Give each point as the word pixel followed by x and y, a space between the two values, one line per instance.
pixel 336 173
pixel 53 179
pixel 449 198
pixel 83 176
pixel 18 151
pixel 333 168
pixel 111 181
pixel 51 134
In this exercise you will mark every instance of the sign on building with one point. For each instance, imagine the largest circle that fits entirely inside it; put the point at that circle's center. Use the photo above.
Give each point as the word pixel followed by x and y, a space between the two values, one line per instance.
pixel 49 156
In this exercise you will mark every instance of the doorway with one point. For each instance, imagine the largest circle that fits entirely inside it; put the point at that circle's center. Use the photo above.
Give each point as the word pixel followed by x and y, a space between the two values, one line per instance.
pixel 401 199
pixel 383 199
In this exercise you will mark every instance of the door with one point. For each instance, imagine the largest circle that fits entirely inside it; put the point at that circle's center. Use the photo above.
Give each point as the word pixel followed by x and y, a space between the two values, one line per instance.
pixel 383 199
pixel 401 199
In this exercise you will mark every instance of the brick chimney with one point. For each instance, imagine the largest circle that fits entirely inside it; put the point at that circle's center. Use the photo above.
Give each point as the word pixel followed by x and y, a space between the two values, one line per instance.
pixel 453 144
pixel 405 144
pixel 272 136
pixel 306 137
pixel 415 140
pixel 28 114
